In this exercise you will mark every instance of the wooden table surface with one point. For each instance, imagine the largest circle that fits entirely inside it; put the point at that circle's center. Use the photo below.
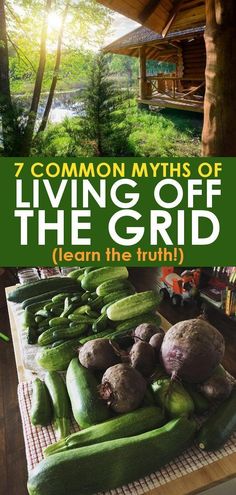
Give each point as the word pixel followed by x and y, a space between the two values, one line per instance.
pixel 200 480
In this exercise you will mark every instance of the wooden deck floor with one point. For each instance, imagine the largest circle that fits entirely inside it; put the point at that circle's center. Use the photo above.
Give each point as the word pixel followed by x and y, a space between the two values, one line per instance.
pixel 165 101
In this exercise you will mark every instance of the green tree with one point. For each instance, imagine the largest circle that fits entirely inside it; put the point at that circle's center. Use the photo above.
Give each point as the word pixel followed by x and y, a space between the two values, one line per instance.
pixel 104 123
pixel 33 43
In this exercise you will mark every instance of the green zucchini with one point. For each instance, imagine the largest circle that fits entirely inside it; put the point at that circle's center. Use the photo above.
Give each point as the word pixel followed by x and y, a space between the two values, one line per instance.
pixel 57 358
pixel 219 426
pixel 25 291
pixel 41 406
pixel 172 397
pixel 96 277
pixel 108 465
pixel 126 425
pixel 134 305
pixel 70 332
pixel 45 296
pixel 132 323
pixel 60 402
pixel 88 409
pixel 114 285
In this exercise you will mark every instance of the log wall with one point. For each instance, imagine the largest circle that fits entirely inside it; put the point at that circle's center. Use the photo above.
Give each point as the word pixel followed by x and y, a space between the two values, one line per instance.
pixel 194 60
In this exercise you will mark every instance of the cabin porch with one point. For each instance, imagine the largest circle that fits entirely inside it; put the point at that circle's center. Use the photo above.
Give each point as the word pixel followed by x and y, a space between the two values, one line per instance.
pixel 170 91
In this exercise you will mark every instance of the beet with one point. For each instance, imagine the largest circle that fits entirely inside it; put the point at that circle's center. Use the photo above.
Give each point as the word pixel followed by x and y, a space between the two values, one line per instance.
pixel 156 341
pixel 123 388
pixel 219 386
pixel 192 350
pixel 145 331
pixel 98 354
pixel 142 357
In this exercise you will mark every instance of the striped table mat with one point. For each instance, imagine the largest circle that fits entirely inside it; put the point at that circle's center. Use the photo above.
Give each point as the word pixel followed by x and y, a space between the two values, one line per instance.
pixel 36 439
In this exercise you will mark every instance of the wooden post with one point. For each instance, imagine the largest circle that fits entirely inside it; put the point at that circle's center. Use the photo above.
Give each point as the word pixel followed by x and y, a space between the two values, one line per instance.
pixel 219 130
pixel 179 68
pixel 142 72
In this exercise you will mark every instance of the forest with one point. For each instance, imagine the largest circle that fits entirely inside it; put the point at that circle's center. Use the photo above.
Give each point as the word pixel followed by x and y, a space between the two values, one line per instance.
pixel 61 95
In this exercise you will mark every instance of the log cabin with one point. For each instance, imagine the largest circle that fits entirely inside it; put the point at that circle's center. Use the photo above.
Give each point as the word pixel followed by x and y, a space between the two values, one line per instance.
pixel 219 16
pixel 182 89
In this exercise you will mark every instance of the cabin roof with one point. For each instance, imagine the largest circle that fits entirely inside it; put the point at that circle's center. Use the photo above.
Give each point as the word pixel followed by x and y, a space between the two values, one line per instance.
pixel 143 35
pixel 162 16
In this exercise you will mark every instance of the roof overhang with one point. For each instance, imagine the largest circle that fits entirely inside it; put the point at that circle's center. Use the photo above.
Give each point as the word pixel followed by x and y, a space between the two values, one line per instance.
pixel 162 16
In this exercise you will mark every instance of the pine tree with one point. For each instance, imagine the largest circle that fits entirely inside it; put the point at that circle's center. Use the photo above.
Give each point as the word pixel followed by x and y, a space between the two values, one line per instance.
pixel 104 123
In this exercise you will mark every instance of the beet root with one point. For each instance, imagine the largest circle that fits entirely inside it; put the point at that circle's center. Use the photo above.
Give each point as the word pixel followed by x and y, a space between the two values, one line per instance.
pixel 142 357
pixel 192 350
pixel 98 354
pixel 156 341
pixel 145 331
pixel 219 386
pixel 123 388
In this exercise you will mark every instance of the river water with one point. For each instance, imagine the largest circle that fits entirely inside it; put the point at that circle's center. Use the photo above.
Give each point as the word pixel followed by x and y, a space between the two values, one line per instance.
pixel 66 104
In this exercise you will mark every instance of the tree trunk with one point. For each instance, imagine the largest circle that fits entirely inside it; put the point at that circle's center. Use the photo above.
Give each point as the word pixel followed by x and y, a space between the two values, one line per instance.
pixel 10 131
pixel 30 126
pixel 55 72
pixel 219 130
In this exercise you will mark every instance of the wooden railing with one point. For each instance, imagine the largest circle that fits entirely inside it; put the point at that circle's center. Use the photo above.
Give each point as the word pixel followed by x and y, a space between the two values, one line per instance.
pixel 172 86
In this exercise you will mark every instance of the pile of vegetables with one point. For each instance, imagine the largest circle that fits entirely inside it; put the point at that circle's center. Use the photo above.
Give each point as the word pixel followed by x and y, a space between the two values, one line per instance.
pixel 134 391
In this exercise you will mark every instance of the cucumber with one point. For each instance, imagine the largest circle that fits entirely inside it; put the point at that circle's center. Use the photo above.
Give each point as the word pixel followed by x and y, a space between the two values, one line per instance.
pixel 88 409
pixel 57 358
pixel 201 403
pixel 33 308
pixel 134 305
pixel 59 321
pixel 41 407
pixel 172 397
pixel 57 343
pixel 47 337
pixel 100 324
pixel 101 335
pixel 115 296
pixel 71 332
pixel 109 465
pixel 80 318
pixel 114 285
pixel 76 273
pixel 132 323
pixel 46 295
pixel 43 312
pixel 105 308
pixel 60 402
pixel 32 335
pixel 25 291
pixel 69 310
pixel 96 277
pixel 133 423
pixel 219 426
pixel 29 319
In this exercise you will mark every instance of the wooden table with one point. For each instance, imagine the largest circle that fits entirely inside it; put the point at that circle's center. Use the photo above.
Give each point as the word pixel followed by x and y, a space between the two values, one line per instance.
pixel 200 480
